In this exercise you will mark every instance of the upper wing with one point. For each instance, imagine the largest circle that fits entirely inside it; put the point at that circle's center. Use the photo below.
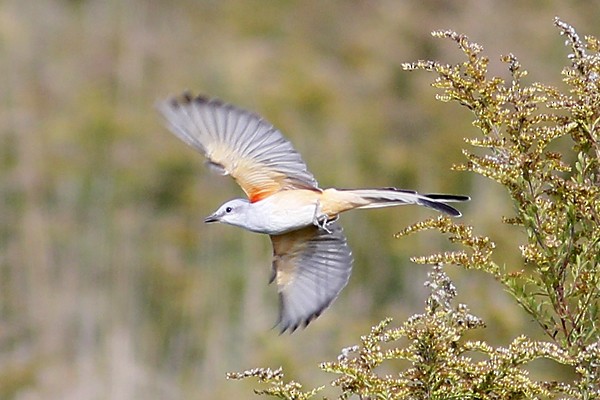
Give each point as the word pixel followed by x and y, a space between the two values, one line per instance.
pixel 311 267
pixel 238 143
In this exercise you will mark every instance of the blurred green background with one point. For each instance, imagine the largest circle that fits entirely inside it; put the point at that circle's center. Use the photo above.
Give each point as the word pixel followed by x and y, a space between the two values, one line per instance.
pixel 111 287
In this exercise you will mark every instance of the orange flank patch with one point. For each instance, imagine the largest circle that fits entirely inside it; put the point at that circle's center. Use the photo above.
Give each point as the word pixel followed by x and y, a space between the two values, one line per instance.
pixel 259 195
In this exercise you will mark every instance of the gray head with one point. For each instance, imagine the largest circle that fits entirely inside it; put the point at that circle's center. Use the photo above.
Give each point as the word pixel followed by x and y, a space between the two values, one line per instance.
pixel 232 212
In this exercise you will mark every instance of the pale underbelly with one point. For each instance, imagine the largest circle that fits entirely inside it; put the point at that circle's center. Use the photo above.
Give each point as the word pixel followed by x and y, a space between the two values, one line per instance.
pixel 275 216
pixel 282 221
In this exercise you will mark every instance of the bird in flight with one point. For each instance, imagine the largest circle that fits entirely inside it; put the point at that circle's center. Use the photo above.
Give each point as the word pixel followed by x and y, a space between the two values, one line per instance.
pixel 311 258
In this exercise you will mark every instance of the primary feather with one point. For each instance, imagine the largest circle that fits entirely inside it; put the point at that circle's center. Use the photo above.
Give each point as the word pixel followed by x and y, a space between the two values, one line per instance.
pixel 238 143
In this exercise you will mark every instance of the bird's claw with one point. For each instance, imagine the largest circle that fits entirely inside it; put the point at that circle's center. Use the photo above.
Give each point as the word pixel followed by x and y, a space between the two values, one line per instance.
pixel 322 222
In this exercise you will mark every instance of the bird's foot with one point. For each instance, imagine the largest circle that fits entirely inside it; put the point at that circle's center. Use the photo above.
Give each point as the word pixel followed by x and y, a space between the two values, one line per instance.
pixel 322 221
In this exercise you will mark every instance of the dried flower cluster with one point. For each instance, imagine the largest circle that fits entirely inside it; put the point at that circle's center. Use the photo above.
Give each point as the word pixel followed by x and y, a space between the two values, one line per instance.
pixel 277 387
pixel 441 362
pixel 557 202
pixel 556 195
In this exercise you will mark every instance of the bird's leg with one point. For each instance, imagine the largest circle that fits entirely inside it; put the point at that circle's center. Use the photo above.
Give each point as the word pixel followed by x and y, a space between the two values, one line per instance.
pixel 322 220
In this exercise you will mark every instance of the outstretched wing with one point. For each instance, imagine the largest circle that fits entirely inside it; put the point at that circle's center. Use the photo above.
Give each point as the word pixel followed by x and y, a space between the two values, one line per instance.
pixel 238 143
pixel 311 267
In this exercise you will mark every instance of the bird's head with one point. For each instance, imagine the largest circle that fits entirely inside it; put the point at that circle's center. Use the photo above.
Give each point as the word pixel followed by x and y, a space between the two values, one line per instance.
pixel 233 213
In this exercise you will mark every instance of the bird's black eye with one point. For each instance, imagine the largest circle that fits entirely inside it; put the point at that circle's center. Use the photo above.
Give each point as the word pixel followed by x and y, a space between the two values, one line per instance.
pixel 228 209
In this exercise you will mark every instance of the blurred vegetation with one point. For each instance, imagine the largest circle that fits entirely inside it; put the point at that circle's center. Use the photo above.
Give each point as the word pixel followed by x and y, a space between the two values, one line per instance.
pixel 557 202
pixel 111 287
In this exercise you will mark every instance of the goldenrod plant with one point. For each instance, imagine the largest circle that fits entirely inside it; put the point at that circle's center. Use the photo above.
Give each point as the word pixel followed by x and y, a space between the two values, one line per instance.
pixel 555 195
pixel 556 201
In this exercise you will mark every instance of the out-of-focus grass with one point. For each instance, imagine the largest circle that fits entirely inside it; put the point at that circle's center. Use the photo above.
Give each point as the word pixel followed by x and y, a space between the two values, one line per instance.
pixel 110 285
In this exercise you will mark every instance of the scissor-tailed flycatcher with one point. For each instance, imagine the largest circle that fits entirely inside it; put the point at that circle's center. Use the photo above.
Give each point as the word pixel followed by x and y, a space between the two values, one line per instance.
pixel 311 259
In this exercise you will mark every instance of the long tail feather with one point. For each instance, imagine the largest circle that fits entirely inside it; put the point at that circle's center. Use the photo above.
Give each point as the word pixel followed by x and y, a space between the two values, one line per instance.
pixel 388 197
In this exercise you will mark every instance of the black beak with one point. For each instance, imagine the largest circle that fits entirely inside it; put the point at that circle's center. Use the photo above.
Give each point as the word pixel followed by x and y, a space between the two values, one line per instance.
pixel 211 218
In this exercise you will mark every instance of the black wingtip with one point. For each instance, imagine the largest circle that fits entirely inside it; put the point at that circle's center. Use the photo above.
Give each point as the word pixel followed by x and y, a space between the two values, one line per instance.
pixel 301 323
pixel 291 328
pixel 288 326
pixel 187 98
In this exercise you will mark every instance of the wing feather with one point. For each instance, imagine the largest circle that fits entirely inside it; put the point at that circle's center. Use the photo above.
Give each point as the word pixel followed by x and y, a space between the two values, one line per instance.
pixel 238 143
pixel 311 267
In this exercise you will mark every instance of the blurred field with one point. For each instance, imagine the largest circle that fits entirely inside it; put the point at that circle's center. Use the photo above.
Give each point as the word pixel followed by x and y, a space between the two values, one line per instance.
pixel 111 287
